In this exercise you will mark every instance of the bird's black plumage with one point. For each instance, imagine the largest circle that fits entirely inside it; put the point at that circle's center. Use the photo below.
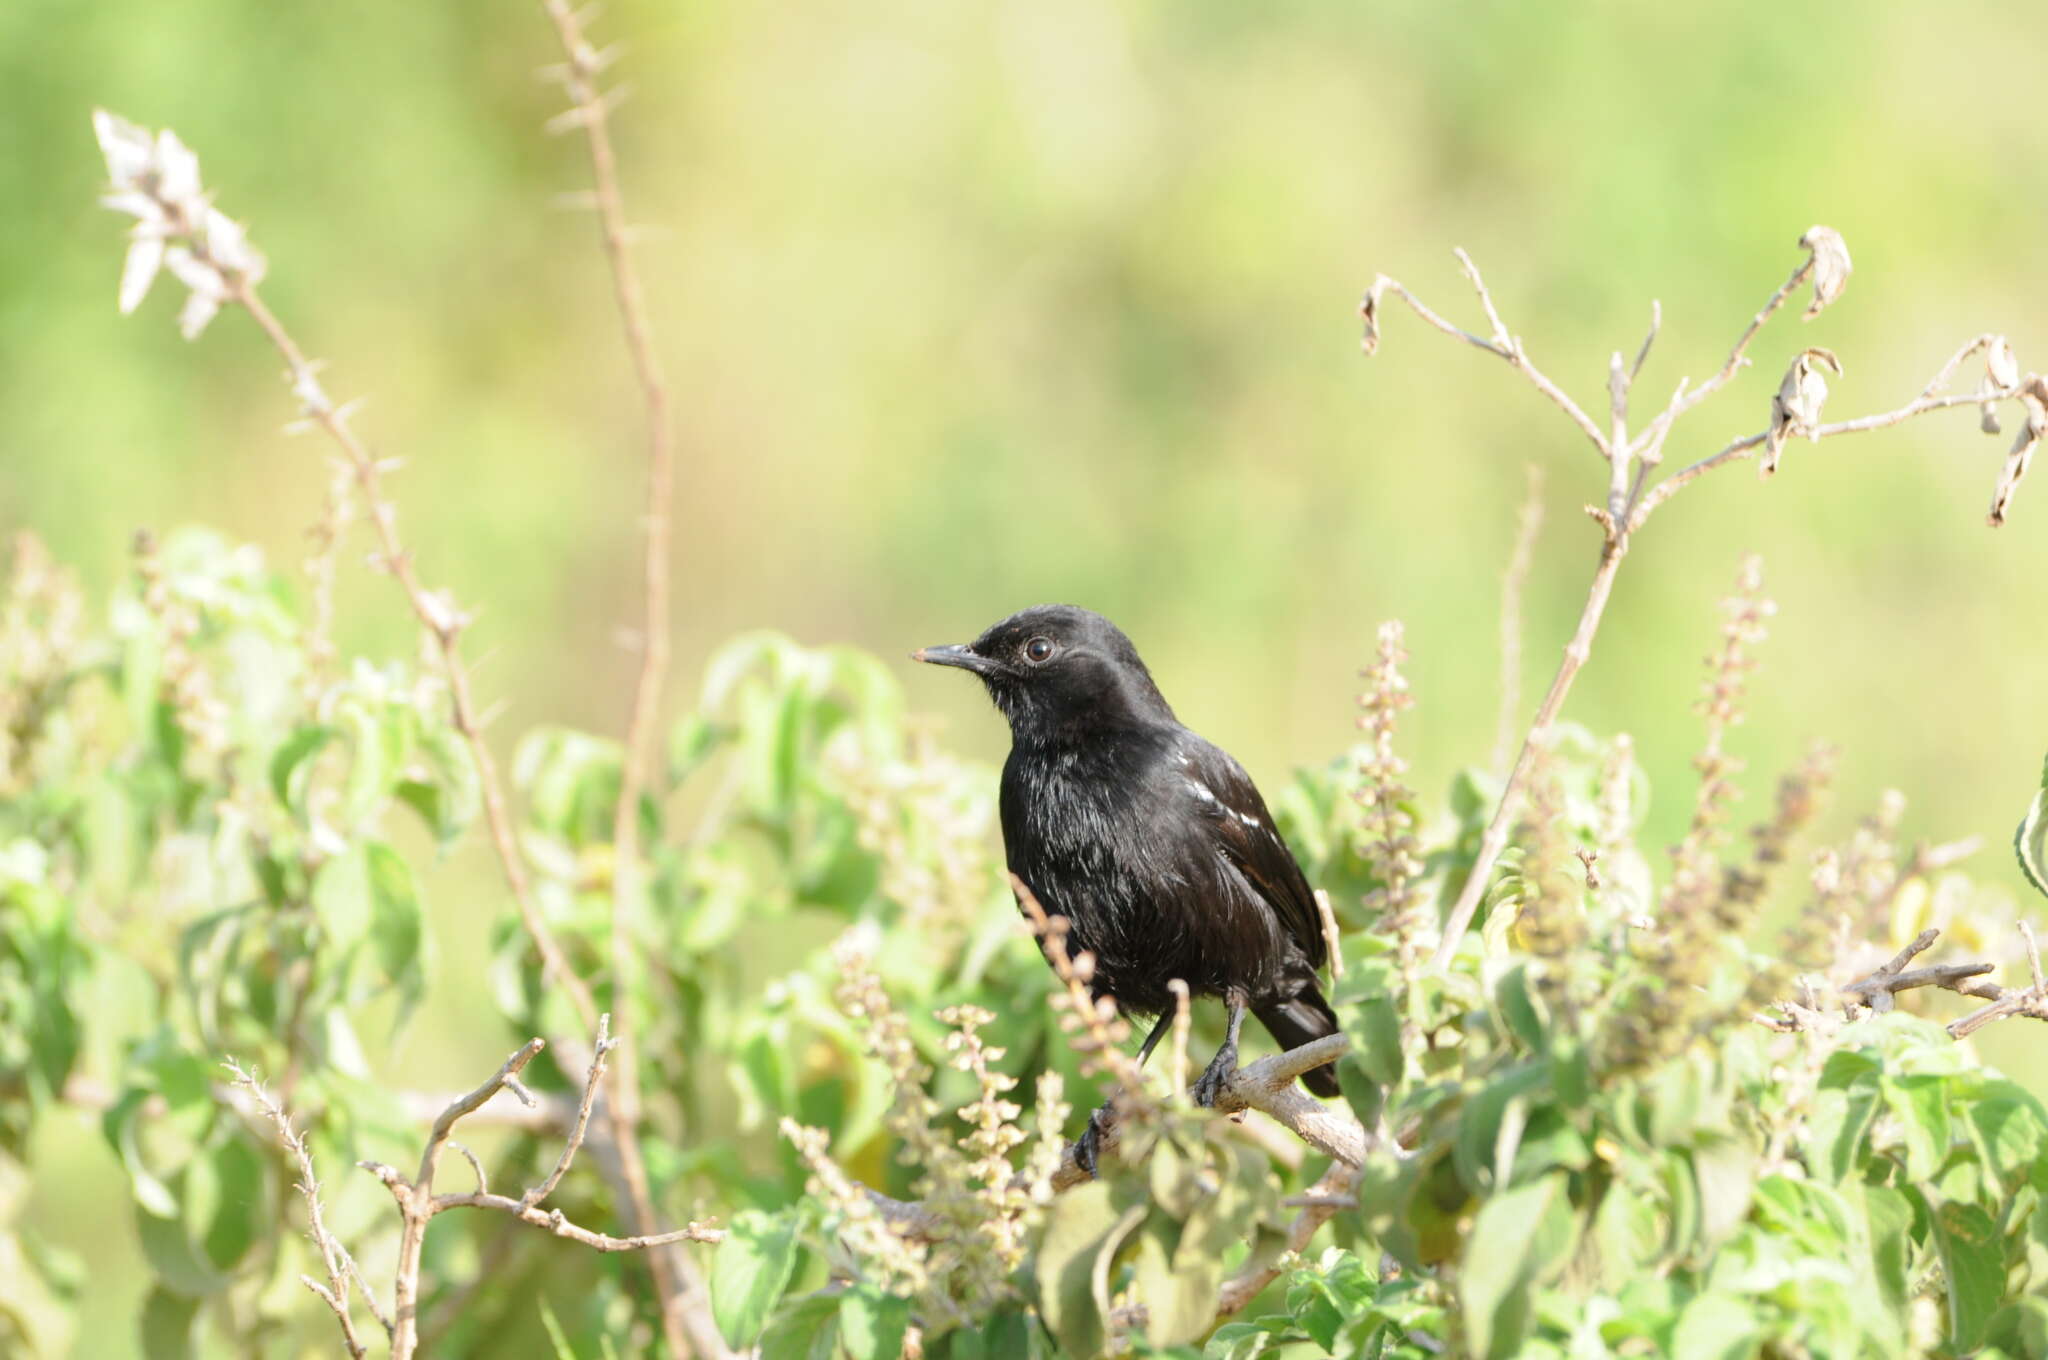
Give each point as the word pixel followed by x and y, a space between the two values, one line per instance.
pixel 1152 842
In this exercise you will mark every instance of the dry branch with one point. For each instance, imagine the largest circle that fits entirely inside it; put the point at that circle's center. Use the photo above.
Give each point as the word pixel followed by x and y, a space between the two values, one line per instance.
pixel 686 1325
pixel 1632 498
pixel 341 1267
pixel 417 1202
pixel 2030 1001
pixel 1877 990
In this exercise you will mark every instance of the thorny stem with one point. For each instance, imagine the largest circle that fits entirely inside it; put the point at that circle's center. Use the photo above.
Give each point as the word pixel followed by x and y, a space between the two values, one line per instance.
pixel 1631 498
pixel 591 111
pixel 341 1267
pixel 443 623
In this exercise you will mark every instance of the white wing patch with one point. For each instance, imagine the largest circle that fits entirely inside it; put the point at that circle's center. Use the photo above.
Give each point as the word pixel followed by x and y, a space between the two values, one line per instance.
pixel 1202 793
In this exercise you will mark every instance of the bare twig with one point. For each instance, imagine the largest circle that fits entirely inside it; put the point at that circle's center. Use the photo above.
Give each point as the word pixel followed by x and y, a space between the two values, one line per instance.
pixel 1332 940
pixel 1631 498
pixel 341 1267
pixel 605 1044
pixel 2031 1001
pixel 417 1202
pixel 1877 989
pixel 1527 524
pixel 1506 346
pixel 591 111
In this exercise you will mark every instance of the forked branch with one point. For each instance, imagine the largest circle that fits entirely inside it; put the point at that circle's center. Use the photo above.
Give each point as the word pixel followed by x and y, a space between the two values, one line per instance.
pixel 1632 496
pixel 418 1203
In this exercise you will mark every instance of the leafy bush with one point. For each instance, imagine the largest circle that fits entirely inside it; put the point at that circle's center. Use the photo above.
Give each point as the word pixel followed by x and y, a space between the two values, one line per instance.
pixel 1696 1113
pixel 1583 1143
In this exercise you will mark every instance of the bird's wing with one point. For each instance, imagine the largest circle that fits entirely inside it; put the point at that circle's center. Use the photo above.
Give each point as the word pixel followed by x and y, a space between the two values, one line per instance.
pixel 1226 796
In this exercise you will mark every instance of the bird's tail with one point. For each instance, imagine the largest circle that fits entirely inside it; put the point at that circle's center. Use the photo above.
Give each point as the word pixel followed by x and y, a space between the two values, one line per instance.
pixel 1296 1022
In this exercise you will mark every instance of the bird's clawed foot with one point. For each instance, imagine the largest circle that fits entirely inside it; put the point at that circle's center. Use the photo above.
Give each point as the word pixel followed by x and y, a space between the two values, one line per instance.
pixel 1209 1086
pixel 1088 1147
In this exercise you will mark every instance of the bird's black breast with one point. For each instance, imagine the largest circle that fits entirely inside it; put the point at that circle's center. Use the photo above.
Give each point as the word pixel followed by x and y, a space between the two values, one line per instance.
pixel 1159 850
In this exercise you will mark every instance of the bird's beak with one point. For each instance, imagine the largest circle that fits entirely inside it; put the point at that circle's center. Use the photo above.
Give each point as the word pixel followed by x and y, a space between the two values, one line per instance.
pixel 965 658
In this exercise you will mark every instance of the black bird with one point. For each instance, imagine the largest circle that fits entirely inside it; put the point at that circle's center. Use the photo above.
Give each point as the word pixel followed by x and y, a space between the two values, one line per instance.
pixel 1153 843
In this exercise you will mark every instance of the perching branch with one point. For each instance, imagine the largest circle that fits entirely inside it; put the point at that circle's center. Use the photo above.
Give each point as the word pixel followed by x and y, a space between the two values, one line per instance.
pixel 1631 497
pixel 1269 1085
pixel 1323 1201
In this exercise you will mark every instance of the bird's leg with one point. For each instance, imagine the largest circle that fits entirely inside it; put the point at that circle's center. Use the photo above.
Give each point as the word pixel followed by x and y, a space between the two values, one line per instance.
pixel 1221 1067
pixel 1089 1144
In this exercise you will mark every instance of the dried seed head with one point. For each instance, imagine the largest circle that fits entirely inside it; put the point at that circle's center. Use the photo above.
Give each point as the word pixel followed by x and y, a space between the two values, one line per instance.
pixel 155 179
pixel 1830 266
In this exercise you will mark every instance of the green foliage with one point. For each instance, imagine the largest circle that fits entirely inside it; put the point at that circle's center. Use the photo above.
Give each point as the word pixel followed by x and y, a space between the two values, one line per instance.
pixel 210 847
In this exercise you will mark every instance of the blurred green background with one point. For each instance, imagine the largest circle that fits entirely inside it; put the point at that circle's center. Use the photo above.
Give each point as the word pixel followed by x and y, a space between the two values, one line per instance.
pixel 974 306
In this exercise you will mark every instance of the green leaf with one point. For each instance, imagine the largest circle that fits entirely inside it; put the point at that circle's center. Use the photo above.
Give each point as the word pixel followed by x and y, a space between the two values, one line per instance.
pixel 1716 1327
pixel 2021 1327
pixel 179 1264
pixel 452 795
pixel 1920 1104
pixel 1086 1223
pixel 807 1329
pixel 1518 1011
pixel 1180 1305
pixel 395 916
pixel 1840 1127
pixel 749 1271
pixel 292 765
pixel 238 1219
pixel 1314 1311
pixel 121 1126
pixel 170 1326
pixel 1479 1128
pixel 2010 1130
pixel 341 901
pixel 1891 1246
pixel 382 744
pixel 1378 1036
pixel 1973 1263
pixel 556 1336
pixel 872 1324
pixel 1726 1168
pixel 1518 1240
pixel 2027 842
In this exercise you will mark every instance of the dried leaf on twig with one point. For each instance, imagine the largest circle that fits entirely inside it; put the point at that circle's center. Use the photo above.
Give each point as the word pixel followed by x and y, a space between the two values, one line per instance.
pixel 2034 396
pixel 1369 314
pixel 1830 266
pixel 1796 407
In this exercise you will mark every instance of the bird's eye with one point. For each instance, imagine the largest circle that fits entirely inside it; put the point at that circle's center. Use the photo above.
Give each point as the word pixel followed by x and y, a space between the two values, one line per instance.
pixel 1038 651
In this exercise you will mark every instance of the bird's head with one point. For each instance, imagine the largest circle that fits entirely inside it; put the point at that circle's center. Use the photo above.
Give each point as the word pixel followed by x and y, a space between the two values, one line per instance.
pixel 1055 667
